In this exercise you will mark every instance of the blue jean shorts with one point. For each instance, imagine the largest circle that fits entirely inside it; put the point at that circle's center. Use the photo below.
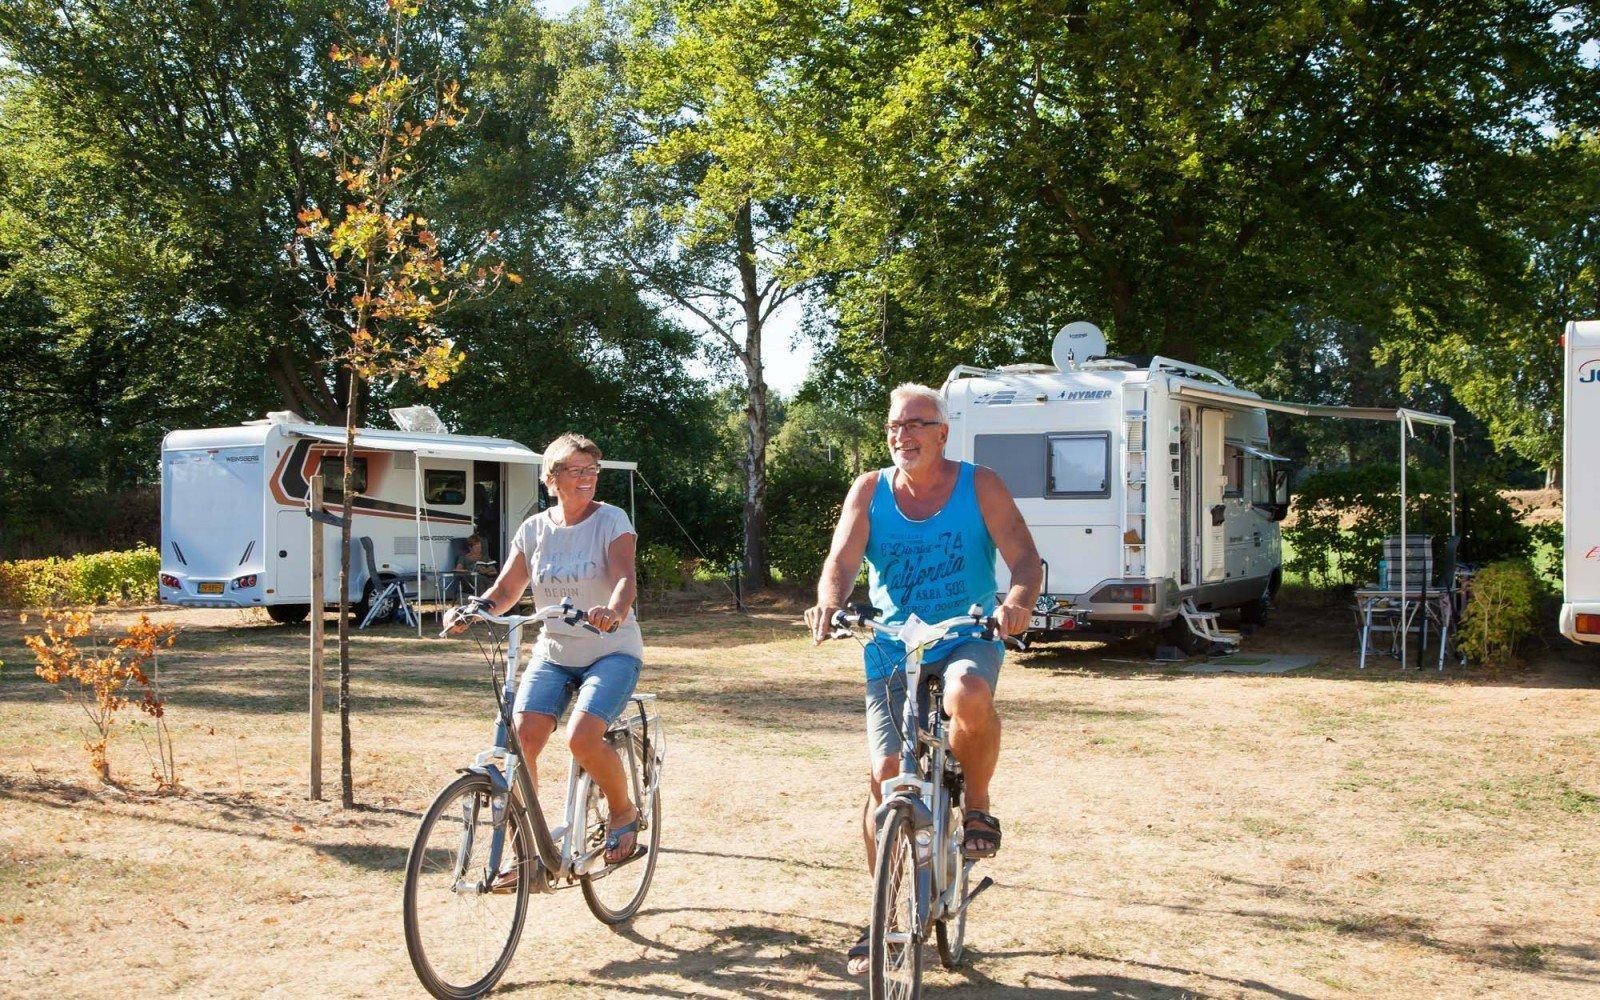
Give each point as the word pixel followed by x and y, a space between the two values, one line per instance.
pixel 886 696
pixel 603 687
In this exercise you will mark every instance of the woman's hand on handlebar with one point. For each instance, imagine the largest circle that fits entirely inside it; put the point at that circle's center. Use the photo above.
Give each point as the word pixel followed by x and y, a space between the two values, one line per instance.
pixel 457 620
pixel 603 618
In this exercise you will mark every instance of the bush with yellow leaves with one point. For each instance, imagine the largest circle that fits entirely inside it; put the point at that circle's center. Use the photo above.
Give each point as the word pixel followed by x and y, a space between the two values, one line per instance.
pixel 102 681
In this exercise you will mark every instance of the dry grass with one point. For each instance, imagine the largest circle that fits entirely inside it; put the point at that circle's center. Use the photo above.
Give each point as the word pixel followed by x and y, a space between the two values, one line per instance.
pixel 1324 833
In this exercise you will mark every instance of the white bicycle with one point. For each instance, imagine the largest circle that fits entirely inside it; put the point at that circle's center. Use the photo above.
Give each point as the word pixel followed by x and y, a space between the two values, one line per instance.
pixel 921 879
pixel 484 847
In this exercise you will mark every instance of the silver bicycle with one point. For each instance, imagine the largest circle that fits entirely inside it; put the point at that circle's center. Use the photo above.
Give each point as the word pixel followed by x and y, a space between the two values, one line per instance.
pixel 921 879
pixel 484 847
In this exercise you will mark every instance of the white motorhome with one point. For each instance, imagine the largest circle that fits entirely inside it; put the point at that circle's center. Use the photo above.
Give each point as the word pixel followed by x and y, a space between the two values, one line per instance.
pixel 234 530
pixel 1147 485
pixel 1580 567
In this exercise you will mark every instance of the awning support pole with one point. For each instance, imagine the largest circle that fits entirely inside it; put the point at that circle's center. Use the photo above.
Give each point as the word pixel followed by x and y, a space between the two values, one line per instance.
pixel 416 491
pixel 1405 544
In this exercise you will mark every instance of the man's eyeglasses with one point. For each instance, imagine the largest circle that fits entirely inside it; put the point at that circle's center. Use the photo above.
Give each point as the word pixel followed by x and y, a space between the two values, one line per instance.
pixel 579 472
pixel 890 426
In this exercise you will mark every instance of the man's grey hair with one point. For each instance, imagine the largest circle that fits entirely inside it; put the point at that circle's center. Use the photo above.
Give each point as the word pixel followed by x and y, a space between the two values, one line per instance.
pixel 913 390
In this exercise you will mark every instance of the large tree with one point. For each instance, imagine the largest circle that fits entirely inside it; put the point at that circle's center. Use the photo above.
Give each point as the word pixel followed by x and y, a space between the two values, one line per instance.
pixel 1196 177
pixel 645 85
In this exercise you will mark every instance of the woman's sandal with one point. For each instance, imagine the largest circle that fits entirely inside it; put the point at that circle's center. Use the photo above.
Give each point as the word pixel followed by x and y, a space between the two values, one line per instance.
pixel 614 837
pixel 506 881
pixel 859 956
pixel 981 841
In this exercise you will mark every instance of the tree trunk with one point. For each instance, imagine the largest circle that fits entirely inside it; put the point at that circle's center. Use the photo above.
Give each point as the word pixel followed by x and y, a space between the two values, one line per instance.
pixel 1552 476
pixel 755 490
pixel 347 793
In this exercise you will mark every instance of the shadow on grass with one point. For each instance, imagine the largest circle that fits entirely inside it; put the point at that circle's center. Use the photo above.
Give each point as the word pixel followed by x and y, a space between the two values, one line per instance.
pixel 751 957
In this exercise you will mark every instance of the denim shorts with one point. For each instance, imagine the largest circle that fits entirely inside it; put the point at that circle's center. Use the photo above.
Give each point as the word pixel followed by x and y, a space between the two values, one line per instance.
pixel 603 687
pixel 886 696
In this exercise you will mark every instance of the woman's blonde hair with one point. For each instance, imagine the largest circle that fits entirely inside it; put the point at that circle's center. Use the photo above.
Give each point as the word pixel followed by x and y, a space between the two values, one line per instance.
pixel 564 447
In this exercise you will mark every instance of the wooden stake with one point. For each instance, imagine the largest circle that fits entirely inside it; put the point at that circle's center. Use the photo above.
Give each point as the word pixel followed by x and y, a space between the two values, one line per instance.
pixel 316 638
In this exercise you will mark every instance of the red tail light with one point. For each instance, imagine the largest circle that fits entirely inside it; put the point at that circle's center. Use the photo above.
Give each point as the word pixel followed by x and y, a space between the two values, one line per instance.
pixel 244 582
pixel 169 581
pixel 1588 624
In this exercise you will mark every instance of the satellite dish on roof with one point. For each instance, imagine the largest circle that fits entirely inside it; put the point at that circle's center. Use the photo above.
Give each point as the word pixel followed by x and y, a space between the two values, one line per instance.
pixel 1076 343
pixel 418 420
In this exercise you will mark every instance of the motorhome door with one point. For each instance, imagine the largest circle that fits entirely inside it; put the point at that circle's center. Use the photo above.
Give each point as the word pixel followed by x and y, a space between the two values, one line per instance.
pixel 1188 541
pixel 488 501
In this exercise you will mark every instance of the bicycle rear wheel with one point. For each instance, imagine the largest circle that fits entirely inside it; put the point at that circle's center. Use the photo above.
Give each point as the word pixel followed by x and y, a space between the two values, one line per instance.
pixel 616 892
pixel 894 969
pixel 461 937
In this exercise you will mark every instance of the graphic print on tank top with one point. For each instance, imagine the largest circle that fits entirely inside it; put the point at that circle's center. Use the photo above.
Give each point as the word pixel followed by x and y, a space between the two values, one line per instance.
pixel 936 568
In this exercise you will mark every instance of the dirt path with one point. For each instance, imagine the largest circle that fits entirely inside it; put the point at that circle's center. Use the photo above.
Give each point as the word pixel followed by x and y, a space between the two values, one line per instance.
pixel 1318 834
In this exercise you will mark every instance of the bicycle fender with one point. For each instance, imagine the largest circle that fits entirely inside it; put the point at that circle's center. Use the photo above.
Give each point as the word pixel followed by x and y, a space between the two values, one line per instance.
pixel 488 771
pixel 921 816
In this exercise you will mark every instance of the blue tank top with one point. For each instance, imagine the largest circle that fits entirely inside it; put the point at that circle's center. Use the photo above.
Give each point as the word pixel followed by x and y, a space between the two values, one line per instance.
pixel 936 568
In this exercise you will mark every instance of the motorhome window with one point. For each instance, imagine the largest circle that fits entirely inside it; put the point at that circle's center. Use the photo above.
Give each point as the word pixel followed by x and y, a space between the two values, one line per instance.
pixel 1080 465
pixel 445 486
pixel 1233 467
pixel 333 478
pixel 1261 483
pixel 1015 458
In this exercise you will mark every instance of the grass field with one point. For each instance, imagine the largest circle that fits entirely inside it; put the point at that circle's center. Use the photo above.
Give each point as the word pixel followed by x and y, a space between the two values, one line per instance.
pixel 1324 833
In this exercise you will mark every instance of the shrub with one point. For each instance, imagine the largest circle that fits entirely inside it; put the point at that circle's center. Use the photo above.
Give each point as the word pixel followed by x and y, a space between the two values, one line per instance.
pixel 96 578
pixel 661 569
pixel 803 501
pixel 102 682
pixel 1502 610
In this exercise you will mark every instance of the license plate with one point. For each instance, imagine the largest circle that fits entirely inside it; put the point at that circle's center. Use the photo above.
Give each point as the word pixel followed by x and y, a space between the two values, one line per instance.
pixel 210 588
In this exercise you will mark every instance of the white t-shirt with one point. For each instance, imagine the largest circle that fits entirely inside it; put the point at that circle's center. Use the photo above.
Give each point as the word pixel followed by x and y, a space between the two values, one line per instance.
pixel 571 562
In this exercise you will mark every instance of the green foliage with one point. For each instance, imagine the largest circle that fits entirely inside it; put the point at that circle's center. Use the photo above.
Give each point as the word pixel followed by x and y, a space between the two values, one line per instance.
pixel 1502 611
pixel 1341 518
pixel 806 496
pixel 661 569
pixel 97 578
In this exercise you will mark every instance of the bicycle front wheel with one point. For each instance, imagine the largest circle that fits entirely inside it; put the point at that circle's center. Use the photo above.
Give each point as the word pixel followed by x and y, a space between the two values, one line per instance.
pixel 950 933
pixel 460 933
pixel 895 945
pixel 616 892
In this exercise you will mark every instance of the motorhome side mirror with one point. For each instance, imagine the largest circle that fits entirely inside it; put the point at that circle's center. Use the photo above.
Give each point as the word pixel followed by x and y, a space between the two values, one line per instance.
pixel 1280 511
pixel 1218 515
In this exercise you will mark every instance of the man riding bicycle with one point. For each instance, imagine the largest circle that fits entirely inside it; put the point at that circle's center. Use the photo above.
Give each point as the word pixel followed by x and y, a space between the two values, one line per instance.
pixel 929 528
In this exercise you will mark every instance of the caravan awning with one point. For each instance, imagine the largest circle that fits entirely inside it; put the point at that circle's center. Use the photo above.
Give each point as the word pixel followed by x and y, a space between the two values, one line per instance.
pixel 1261 453
pixel 457 446
pixel 1237 400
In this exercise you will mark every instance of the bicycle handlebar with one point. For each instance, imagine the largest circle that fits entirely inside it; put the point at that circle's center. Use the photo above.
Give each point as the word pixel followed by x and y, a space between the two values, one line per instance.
pixel 478 609
pixel 863 618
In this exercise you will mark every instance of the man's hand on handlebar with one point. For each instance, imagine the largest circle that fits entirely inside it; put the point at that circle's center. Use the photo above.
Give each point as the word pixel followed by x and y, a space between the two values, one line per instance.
pixel 1013 619
pixel 820 620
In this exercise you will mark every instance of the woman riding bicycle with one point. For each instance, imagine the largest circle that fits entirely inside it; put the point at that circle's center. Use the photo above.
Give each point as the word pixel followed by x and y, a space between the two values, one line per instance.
pixel 580 550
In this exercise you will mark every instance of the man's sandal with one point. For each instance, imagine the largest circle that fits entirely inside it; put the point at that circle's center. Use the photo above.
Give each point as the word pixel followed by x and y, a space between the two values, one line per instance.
pixel 983 840
pixel 614 837
pixel 859 956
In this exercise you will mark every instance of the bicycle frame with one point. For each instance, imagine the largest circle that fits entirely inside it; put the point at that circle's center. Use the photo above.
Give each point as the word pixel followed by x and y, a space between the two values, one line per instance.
pixel 925 798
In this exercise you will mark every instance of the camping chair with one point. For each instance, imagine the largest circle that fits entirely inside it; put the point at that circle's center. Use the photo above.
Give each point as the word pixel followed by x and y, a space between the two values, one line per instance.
pixel 1414 605
pixel 390 596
